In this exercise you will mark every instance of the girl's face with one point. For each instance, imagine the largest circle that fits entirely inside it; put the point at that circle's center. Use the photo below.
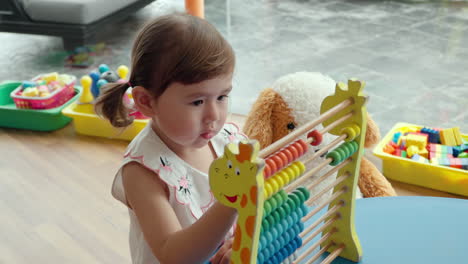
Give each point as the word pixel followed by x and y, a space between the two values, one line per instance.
pixel 188 116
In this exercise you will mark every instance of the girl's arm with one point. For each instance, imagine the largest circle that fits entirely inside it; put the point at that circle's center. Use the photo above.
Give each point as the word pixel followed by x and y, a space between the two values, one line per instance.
pixel 170 243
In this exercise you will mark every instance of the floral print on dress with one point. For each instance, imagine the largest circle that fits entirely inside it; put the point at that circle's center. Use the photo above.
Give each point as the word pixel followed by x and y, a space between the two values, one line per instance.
pixel 184 185
pixel 165 165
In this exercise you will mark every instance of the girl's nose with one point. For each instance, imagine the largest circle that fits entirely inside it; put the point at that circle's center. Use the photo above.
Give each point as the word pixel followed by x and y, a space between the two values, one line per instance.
pixel 212 112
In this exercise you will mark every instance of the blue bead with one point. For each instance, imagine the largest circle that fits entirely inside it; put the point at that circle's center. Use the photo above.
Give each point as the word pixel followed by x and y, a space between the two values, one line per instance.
pixel 260 258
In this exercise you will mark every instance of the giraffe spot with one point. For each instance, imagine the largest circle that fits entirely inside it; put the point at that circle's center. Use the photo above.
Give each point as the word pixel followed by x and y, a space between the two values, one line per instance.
pixel 237 238
pixel 244 201
pixel 245 256
pixel 250 225
pixel 253 194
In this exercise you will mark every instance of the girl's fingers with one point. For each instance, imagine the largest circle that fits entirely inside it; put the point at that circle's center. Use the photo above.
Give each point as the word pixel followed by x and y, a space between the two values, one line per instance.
pixel 226 257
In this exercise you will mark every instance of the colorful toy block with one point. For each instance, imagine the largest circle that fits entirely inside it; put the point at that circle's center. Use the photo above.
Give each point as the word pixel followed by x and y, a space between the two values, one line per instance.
pixel 433 135
pixel 451 137
pixel 440 148
pixel 419 158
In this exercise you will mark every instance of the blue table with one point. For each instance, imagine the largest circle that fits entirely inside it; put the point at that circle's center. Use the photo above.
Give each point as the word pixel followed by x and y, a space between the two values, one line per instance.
pixel 411 229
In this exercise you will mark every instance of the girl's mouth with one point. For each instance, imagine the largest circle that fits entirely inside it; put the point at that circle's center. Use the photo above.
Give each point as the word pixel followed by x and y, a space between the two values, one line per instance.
pixel 207 135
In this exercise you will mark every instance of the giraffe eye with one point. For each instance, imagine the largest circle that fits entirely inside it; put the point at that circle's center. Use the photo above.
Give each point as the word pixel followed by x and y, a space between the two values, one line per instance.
pixel 237 171
pixel 291 126
pixel 229 163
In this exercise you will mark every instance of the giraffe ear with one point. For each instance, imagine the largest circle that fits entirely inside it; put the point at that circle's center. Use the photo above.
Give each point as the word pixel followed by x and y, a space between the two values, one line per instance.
pixel 258 123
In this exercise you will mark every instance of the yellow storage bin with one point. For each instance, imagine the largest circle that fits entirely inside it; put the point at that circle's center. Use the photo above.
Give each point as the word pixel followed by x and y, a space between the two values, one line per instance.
pixel 436 177
pixel 86 122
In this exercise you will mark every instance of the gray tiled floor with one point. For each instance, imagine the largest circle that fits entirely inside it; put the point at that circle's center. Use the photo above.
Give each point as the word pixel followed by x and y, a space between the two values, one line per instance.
pixel 413 55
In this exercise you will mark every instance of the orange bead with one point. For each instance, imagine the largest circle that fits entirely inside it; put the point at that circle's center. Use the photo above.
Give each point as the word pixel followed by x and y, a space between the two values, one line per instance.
pixel 273 167
pixel 266 171
pixel 305 146
pixel 288 154
pixel 294 151
pixel 278 161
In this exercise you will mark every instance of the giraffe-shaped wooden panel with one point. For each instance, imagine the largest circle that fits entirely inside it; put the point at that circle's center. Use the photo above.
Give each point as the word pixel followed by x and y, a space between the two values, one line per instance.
pixel 235 181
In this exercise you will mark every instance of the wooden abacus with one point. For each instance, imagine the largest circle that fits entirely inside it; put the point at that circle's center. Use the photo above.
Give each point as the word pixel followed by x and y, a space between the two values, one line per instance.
pixel 266 187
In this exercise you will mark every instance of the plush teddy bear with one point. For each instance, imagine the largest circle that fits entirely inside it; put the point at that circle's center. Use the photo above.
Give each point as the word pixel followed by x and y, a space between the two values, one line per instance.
pixel 295 99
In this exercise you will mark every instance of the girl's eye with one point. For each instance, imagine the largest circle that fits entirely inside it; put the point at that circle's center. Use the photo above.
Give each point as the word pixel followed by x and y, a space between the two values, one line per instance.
pixel 198 102
pixel 222 97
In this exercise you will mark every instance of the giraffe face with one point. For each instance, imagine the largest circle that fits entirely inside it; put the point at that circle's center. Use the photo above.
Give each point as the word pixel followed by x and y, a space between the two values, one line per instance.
pixel 232 175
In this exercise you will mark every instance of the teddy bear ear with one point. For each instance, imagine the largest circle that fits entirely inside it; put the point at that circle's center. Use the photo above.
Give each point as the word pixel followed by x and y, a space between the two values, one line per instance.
pixel 372 132
pixel 258 123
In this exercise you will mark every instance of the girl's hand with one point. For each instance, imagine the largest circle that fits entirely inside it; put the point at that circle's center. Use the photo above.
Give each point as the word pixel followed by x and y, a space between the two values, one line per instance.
pixel 223 254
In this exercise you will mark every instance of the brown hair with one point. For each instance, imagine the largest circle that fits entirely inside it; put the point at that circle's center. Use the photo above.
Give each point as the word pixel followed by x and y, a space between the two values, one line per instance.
pixel 172 48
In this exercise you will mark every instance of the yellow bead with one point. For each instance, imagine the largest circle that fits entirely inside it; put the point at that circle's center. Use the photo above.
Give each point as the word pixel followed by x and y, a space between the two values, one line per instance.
pixel 350 133
pixel 268 189
pixel 356 129
pixel 296 170
pixel 301 166
pixel 274 185
pixel 284 176
pixel 290 173
pixel 279 180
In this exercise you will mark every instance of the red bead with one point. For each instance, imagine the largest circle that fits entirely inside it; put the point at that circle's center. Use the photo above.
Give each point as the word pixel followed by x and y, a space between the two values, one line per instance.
pixel 317 136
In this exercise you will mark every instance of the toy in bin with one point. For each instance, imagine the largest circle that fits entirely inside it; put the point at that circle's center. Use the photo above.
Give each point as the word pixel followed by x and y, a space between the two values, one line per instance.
pixel 93 83
pixel 428 145
pixel 429 157
pixel 44 91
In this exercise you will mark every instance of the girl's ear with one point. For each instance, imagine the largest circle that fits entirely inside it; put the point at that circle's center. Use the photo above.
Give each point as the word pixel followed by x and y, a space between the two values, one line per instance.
pixel 143 100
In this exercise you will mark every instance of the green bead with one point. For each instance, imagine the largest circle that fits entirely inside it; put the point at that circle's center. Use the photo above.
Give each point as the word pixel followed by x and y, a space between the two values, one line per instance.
pixel 265 225
pixel 342 153
pixel 284 195
pixel 276 217
pixel 347 151
pixel 304 191
pixel 266 208
pixel 355 145
pixel 273 203
pixel 282 212
pixel 295 199
pixel 286 208
pixel 335 156
pixel 299 195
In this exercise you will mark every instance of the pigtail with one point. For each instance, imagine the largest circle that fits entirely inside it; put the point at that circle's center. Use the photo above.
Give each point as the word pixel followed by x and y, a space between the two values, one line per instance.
pixel 110 104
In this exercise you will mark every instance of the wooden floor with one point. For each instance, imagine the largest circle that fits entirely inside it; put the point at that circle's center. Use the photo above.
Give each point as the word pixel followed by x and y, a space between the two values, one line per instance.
pixel 55 200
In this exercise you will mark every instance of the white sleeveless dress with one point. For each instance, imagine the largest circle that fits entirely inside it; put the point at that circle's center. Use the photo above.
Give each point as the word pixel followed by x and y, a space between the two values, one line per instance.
pixel 189 191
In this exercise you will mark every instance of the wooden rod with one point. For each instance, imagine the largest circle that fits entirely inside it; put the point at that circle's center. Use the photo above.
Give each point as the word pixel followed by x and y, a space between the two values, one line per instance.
pixel 326 148
pixel 328 173
pixel 318 230
pixel 326 189
pixel 333 255
pixel 321 251
pixel 330 211
pixel 336 123
pixel 321 206
pixel 313 247
pixel 303 129
pixel 299 180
